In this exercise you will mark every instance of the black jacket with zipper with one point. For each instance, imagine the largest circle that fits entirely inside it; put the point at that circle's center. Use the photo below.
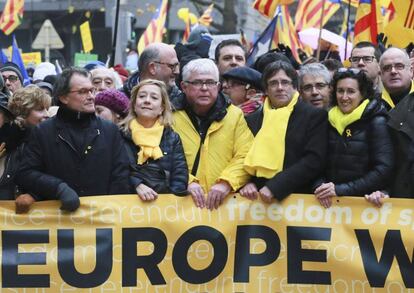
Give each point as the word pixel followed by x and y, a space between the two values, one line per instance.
pixel 79 149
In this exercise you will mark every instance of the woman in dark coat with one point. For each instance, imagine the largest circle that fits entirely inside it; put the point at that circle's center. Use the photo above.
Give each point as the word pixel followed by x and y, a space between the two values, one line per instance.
pixel 155 151
pixel 28 107
pixel 360 157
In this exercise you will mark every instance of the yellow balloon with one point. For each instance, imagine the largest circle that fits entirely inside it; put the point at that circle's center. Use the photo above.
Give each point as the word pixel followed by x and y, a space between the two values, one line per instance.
pixel 183 13
pixel 193 18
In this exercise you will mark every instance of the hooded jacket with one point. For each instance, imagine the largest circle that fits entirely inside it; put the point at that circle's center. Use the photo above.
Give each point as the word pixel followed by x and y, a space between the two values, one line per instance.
pixel 226 141
pixel 360 161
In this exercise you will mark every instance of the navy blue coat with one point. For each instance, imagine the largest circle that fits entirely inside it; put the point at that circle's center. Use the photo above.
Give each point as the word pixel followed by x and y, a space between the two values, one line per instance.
pixel 51 157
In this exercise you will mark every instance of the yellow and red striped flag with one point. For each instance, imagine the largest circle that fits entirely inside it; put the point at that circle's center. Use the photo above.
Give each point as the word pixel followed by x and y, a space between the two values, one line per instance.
pixel 308 13
pixel 206 18
pixel 155 28
pixel 285 32
pixel 12 16
pixel 268 7
pixel 400 29
pixel 368 21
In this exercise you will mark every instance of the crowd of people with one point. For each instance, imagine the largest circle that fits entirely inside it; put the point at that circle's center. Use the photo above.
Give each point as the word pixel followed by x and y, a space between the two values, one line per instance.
pixel 189 125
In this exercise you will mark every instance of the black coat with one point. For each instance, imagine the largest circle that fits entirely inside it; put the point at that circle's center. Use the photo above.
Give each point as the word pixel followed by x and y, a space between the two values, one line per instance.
pixel 360 161
pixel 173 161
pixel 305 150
pixel 401 123
pixel 99 167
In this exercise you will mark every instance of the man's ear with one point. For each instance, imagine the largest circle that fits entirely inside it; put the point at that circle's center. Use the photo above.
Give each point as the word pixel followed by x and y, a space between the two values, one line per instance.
pixel 250 93
pixel 64 99
pixel 152 68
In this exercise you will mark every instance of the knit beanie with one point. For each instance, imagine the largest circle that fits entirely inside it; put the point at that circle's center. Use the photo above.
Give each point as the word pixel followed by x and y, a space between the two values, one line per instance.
pixel 44 69
pixel 114 100
pixel 10 66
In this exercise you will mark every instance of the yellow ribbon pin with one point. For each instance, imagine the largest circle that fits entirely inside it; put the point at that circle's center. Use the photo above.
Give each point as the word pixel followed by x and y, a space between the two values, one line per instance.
pixel 348 133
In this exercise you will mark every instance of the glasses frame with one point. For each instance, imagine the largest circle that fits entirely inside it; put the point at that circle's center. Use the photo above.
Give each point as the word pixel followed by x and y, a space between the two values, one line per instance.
pixel 85 91
pixel 388 68
pixel 284 83
pixel 363 58
pixel 201 83
pixel 5 78
pixel 171 66
pixel 319 86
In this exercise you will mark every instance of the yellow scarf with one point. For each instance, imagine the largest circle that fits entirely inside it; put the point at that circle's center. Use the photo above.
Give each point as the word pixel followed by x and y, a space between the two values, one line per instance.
pixel 148 139
pixel 386 96
pixel 267 153
pixel 340 120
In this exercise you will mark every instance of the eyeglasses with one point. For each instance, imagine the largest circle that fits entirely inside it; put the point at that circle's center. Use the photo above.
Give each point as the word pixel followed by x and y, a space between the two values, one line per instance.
pixel 317 86
pixel 350 70
pixel 85 91
pixel 11 78
pixel 234 83
pixel 282 83
pixel 200 83
pixel 396 66
pixel 171 66
pixel 365 59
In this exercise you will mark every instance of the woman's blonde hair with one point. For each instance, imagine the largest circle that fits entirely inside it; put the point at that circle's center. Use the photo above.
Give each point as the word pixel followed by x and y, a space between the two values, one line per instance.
pixel 25 100
pixel 166 118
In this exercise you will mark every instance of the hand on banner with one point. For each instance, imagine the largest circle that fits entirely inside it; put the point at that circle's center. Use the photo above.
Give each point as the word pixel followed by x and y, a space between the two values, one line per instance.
pixel 197 193
pixel 68 197
pixel 146 193
pixel 217 194
pixel 324 193
pixel 265 194
pixel 249 191
pixel 23 203
pixel 376 198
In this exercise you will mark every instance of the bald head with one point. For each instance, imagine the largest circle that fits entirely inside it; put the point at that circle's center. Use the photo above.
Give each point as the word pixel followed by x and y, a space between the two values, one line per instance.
pixel 396 71
pixel 159 61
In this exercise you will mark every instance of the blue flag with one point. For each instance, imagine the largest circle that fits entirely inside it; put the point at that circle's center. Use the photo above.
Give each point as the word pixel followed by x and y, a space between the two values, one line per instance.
pixel 17 59
pixel 3 57
pixel 263 43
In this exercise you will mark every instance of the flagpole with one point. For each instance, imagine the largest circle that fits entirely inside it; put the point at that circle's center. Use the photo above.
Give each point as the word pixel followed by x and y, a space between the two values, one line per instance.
pixel 347 28
pixel 320 31
pixel 112 61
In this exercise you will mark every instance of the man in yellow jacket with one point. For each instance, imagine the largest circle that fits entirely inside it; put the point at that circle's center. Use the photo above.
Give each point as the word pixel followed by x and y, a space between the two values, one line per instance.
pixel 214 134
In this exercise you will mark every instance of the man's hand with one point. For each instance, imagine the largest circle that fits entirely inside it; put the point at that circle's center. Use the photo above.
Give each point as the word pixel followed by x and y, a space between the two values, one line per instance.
pixel 146 193
pixel 2 149
pixel 324 194
pixel 197 193
pixel 23 203
pixel 265 194
pixel 249 191
pixel 376 198
pixel 217 194
pixel 68 197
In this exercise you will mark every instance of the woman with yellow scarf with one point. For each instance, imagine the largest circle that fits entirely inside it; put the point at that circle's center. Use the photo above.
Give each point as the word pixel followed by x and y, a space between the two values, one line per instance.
pixel 289 148
pixel 360 157
pixel 155 151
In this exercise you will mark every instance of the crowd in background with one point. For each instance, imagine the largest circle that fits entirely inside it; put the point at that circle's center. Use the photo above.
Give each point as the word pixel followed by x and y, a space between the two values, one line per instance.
pixel 189 125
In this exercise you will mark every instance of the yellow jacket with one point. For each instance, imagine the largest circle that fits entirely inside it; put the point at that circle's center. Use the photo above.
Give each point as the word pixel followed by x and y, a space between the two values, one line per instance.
pixel 223 151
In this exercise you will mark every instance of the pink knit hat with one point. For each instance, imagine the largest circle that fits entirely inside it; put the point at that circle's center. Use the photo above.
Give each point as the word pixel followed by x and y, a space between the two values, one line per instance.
pixel 114 100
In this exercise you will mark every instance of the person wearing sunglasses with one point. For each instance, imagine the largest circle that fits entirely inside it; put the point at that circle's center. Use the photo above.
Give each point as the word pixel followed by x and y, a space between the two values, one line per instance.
pixel 289 149
pixel 360 157
pixel 12 76
pixel 74 153
pixel 396 75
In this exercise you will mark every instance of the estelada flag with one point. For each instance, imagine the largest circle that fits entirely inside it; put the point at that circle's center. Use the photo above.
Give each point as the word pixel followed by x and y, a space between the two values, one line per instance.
pixel 268 7
pixel 368 21
pixel 400 30
pixel 12 16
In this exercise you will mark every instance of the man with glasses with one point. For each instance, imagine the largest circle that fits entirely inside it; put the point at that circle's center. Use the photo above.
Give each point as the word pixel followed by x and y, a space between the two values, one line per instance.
pixel 159 61
pixel 396 75
pixel 229 54
pixel 74 153
pixel 365 56
pixel 13 78
pixel 243 86
pixel 314 85
pixel 214 135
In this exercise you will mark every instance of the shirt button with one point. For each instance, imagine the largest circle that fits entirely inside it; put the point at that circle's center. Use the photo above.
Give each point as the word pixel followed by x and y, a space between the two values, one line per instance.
pixel 8 175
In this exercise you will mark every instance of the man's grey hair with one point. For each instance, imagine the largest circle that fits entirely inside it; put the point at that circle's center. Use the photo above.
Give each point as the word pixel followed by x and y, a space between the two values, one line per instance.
pixel 406 58
pixel 150 54
pixel 200 66
pixel 314 70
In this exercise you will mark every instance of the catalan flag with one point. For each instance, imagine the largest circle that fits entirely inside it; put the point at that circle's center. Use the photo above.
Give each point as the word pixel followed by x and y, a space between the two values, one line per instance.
pixel 368 21
pixel 155 29
pixel 308 13
pixel 285 32
pixel 206 18
pixel 400 30
pixel 12 16
pixel 268 7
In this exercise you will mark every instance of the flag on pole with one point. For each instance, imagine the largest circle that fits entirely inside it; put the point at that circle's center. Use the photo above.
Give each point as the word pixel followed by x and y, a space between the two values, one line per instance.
pixel 285 32
pixel 268 7
pixel 368 21
pixel 3 57
pixel 308 13
pixel 12 16
pixel 354 3
pixel 17 59
pixel 263 43
pixel 206 18
pixel 155 28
